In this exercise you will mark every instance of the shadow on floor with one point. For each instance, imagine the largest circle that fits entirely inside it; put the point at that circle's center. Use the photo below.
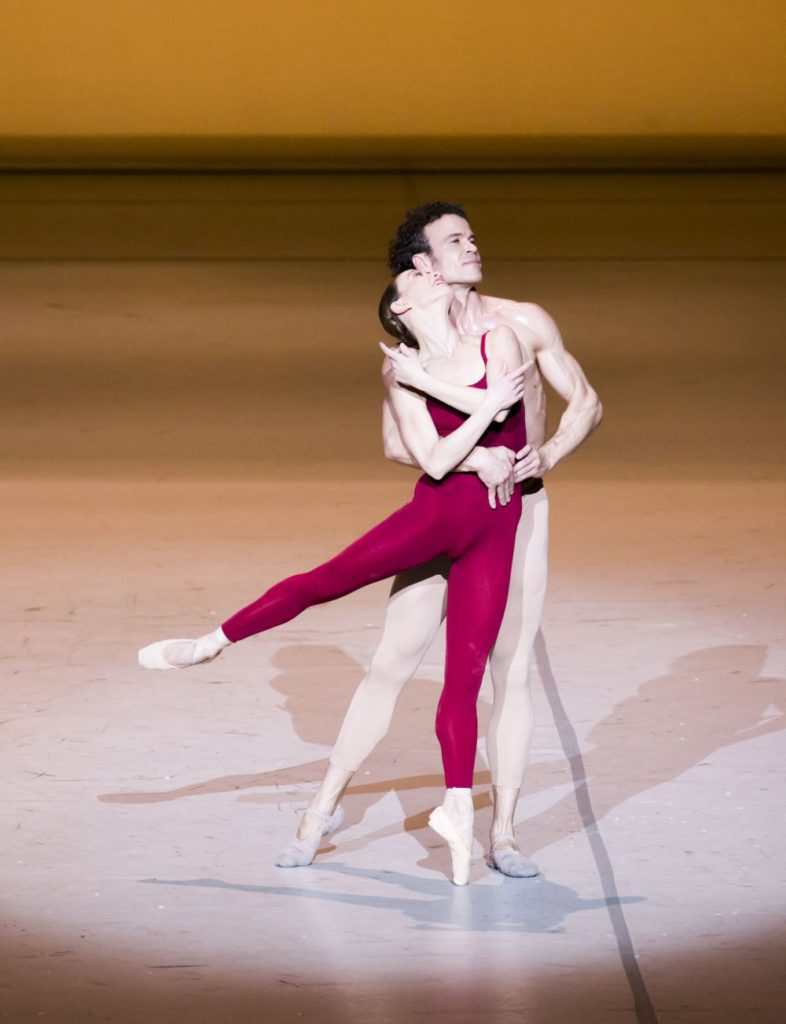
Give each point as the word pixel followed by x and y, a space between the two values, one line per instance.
pixel 669 725
pixel 521 905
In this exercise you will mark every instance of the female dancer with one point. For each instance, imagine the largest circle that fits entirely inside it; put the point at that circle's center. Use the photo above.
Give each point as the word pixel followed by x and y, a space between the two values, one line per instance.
pixel 449 515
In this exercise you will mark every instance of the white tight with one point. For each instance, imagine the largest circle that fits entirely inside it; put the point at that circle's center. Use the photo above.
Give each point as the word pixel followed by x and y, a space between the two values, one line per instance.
pixel 415 611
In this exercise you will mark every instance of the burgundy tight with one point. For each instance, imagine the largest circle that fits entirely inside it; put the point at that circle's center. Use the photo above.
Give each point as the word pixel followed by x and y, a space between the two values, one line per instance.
pixel 451 517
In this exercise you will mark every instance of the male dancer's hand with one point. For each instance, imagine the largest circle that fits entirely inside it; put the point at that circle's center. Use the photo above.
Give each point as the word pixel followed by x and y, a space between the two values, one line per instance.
pixel 496 471
pixel 530 462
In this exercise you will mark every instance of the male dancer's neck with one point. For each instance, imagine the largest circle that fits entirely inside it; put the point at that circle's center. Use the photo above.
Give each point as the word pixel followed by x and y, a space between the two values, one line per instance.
pixel 466 309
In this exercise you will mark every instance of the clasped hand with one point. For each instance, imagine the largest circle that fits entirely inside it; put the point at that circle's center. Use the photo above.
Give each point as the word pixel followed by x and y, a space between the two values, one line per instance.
pixel 497 471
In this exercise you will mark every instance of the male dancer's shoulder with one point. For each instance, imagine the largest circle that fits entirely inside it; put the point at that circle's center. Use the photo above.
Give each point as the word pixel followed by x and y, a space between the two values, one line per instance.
pixel 527 319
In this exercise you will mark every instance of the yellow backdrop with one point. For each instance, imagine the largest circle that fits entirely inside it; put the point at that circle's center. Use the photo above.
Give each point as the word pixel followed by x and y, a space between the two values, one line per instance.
pixel 355 68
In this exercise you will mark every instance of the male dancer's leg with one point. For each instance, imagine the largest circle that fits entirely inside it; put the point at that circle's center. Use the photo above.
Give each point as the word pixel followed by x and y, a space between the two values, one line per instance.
pixel 414 613
pixel 510 728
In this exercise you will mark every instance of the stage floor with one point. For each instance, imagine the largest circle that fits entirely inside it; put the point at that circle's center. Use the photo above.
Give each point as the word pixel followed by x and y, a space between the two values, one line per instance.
pixel 192 413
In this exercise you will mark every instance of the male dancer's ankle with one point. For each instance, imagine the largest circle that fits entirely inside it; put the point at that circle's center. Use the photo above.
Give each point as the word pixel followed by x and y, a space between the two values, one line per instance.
pixel 325 800
pixel 504 800
pixel 504 854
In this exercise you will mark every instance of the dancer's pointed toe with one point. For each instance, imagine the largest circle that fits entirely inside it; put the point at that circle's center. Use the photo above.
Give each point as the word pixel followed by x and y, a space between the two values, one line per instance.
pixel 183 653
pixel 154 655
pixel 460 853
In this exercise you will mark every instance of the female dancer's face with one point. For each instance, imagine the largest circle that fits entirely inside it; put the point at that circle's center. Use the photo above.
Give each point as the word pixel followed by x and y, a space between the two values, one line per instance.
pixel 418 289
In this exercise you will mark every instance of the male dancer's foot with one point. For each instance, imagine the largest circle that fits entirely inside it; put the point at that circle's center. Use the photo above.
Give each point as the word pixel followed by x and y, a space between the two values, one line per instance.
pixel 504 854
pixel 323 816
pixel 300 852
pixel 167 654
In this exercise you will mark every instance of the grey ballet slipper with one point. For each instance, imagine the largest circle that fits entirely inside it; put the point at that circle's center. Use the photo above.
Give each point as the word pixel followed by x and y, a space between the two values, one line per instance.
pixel 512 863
pixel 299 853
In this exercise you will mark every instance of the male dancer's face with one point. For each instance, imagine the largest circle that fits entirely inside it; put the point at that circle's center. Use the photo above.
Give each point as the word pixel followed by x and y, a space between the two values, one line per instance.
pixel 454 254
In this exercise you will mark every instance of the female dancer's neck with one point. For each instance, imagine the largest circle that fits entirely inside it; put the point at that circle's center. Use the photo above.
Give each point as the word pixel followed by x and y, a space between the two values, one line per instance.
pixel 436 335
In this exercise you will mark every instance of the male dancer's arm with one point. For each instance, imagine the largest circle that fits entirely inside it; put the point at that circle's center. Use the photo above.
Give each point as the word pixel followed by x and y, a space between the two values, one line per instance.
pixel 583 412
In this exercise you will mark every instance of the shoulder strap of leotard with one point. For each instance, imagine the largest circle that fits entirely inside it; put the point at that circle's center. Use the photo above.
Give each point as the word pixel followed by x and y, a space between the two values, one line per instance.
pixel 483 355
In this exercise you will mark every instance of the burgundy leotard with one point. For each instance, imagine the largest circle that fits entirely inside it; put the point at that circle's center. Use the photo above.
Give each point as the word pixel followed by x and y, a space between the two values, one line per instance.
pixel 449 517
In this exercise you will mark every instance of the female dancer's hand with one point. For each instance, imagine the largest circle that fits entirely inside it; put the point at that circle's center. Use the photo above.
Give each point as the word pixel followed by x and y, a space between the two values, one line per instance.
pixel 507 389
pixel 406 365
pixel 496 471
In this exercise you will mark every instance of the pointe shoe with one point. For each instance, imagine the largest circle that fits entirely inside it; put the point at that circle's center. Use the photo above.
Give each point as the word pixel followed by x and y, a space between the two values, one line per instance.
pixel 299 853
pixel 512 863
pixel 153 656
pixel 460 856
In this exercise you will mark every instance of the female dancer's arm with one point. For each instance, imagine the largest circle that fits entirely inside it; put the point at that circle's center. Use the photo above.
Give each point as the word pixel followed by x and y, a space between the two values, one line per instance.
pixel 437 455
pixel 478 461
pixel 410 372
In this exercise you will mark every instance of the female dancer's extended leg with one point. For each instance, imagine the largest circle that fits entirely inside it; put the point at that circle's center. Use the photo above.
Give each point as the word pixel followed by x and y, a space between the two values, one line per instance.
pixel 480 542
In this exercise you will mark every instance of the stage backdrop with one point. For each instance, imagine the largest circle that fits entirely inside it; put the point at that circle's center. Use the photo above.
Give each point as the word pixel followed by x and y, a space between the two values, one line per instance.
pixel 361 83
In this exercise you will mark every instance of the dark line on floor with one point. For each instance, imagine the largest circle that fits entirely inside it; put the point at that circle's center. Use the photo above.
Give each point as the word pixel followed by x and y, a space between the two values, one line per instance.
pixel 645 1011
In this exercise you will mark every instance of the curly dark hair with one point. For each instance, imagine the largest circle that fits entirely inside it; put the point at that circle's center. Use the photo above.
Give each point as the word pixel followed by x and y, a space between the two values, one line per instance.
pixel 390 320
pixel 410 236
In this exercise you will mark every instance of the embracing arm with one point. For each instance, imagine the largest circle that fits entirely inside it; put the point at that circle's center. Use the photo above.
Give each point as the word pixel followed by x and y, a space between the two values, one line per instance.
pixel 396 450
pixel 494 466
pixel 437 455
pixel 461 396
pixel 409 371
pixel 584 411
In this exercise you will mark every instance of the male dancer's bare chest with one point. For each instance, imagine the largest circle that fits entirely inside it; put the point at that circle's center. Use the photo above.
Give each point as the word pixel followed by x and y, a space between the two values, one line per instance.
pixel 535 395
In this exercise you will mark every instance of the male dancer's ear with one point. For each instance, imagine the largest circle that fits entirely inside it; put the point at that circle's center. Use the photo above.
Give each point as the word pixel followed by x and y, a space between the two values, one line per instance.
pixel 422 261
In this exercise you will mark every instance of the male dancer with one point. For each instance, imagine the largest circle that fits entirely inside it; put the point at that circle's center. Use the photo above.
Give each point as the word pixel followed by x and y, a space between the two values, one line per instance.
pixel 437 238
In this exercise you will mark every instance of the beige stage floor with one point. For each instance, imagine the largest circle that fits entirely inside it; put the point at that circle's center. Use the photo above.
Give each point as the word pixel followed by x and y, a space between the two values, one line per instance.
pixel 191 412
